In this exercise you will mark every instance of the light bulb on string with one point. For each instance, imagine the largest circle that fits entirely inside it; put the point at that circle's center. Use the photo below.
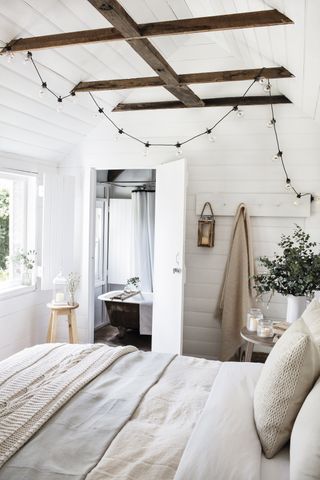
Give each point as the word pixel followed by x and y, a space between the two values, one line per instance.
pixel 59 105
pixel 10 56
pixel 146 148
pixel 179 149
pixel 239 113
pixel 211 135
pixel 288 185
pixel 42 91
pixel 277 156
pixel 267 87
pixel 74 97
pixel 271 123
pixel 27 58
pixel 297 200
pixel 262 80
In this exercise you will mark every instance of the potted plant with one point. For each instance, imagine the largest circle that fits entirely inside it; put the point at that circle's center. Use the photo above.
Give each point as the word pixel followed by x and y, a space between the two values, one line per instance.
pixel 294 273
pixel 133 284
pixel 27 261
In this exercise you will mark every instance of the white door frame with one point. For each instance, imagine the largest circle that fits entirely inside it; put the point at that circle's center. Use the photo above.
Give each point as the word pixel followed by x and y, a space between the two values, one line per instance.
pixel 91 237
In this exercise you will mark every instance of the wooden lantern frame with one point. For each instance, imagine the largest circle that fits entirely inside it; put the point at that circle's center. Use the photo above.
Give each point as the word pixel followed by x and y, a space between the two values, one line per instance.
pixel 206 227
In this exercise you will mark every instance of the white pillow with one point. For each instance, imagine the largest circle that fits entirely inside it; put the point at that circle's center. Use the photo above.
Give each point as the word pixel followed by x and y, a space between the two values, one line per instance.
pixel 305 439
pixel 286 379
pixel 311 316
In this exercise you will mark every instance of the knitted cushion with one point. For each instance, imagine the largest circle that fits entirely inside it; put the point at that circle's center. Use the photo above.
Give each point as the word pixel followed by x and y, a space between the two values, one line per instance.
pixel 286 379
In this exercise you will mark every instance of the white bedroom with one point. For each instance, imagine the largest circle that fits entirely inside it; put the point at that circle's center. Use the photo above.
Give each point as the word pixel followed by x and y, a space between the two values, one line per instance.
pixel 159 240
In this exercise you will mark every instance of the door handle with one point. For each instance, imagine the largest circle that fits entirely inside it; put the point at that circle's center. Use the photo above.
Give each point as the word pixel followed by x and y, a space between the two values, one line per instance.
pixel 176 270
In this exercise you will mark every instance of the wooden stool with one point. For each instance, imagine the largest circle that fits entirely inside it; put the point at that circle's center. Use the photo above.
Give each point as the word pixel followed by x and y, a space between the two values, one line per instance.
pixel 69 311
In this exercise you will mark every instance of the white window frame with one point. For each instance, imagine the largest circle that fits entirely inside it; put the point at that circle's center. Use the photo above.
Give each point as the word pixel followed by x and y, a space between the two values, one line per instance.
pixel 29 203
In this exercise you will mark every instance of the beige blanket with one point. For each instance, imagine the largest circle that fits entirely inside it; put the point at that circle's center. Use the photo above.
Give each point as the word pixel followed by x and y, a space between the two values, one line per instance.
pixel 236 293
pixel 37 382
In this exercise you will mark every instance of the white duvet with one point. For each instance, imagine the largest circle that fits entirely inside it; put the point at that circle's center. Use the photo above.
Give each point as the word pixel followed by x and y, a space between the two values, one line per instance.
pixel 224 444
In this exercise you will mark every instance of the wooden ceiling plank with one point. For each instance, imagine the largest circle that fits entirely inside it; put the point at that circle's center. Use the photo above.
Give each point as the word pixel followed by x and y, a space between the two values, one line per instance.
pixel 187 78
pixel 119 18
pixel 208 102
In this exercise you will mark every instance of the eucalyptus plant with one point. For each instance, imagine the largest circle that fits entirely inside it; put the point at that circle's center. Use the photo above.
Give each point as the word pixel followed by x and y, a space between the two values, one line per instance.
pixel 296 271
pixel 27 259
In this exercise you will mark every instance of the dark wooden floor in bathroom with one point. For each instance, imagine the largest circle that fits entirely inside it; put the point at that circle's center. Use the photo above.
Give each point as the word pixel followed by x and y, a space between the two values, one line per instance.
pixel 110 336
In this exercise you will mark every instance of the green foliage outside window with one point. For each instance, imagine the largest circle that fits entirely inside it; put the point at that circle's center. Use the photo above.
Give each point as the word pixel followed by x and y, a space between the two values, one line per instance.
pixel 4 231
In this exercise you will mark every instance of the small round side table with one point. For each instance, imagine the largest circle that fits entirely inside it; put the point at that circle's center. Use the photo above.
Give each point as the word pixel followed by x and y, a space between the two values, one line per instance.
pixel 252 339
pixel 69 312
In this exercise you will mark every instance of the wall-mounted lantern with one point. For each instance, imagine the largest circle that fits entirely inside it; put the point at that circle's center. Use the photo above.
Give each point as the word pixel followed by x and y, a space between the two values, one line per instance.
pixel 206 227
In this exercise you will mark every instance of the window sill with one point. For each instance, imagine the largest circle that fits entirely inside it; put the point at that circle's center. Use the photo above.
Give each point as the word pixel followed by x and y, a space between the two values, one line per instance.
pixel 15 291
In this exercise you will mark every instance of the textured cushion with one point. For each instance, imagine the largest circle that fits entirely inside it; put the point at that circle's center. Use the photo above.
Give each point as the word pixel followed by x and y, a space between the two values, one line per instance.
pixel 311 316
pixel 305 439
pixel 286 379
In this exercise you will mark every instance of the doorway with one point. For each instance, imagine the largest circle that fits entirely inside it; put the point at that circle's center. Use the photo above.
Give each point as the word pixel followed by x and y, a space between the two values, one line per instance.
pixel 169 253
pixel 124 256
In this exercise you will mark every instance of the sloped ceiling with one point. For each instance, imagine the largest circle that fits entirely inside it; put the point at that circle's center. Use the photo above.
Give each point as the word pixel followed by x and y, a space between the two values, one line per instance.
pixel 30 125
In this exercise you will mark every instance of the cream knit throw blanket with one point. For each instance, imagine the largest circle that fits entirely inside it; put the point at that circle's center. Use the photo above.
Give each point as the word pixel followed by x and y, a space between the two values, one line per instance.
pixel 36 382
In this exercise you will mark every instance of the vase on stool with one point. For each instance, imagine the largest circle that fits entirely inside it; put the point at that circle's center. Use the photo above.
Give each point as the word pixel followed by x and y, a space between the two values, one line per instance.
pixel 296 305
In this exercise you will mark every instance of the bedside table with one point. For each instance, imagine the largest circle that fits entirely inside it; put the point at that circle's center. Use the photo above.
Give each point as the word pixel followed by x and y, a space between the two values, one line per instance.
pixel 252 339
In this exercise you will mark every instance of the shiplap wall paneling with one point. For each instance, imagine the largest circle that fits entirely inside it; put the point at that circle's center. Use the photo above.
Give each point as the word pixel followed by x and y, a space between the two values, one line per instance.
pixel 58 227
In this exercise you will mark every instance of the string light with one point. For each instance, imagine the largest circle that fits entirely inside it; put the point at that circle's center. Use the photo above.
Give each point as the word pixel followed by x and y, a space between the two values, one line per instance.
pixel 288 184
pixel 10 56
pixel 146 148
pixel 297 199
pixel 271 123
pixel 277 156
pixel 211 136
pixel 73 97
pixel 43 89
pixel 59 104
pixel 239 113
pixel 120 131
pixel 267 87
pixel 179 149
pixel 27 58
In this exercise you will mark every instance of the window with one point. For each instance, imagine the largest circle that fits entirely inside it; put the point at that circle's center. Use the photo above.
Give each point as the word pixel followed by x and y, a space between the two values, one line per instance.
pixel 17 229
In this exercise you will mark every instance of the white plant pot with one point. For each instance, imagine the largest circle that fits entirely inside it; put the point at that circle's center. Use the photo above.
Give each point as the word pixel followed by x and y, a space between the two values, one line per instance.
pixel 295 307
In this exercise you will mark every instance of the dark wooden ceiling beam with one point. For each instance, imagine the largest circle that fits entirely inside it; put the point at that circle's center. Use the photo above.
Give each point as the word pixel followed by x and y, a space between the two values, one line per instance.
pixel 119 18
pixel 188 78
pixel 173 27
pixel 208 102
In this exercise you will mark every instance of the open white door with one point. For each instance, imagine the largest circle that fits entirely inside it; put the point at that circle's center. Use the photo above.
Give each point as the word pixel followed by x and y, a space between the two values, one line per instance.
pixel 169 270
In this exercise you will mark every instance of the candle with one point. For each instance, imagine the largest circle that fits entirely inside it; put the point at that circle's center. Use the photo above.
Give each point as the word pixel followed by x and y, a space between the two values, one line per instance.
pixel 205 241
pixel 59 297
pixel 252 324
pixel 265 328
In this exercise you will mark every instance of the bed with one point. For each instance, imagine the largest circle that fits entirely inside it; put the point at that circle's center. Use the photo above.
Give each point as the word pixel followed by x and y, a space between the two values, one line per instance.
pixel 94 412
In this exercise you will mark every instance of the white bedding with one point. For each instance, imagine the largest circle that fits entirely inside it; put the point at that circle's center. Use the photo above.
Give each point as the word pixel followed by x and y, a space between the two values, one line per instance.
pixel 149 416
pixel 224 444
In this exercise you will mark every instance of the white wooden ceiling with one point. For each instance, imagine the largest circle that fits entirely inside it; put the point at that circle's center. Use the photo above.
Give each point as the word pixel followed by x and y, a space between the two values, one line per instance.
pixel 30 125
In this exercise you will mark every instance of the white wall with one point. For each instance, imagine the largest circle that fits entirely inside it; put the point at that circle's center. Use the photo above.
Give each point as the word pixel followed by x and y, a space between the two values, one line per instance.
pixel 240 161
pixel 24 318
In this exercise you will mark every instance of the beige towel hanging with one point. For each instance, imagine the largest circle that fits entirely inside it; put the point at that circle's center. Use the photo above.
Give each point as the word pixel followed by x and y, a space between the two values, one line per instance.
pixel 236 292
